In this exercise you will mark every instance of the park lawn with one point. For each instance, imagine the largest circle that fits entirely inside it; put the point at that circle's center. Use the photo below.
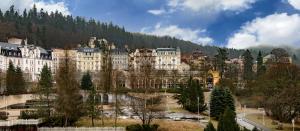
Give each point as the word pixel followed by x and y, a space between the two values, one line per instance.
pixel 164 125
pixel 268 122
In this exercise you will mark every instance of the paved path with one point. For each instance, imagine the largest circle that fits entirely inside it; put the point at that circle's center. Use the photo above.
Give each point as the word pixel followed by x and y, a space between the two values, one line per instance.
pixel 250 124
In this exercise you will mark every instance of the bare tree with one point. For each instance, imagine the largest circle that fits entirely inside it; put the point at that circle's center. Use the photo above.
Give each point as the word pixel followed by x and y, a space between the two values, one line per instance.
pixel 161 74
pixel 174 77
pixel 118 78
pixel 146 105
pixel 147 108
pixel 68 101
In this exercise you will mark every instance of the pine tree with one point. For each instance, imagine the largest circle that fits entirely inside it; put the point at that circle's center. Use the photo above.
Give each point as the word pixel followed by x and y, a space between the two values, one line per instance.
pixel 259 59
pixel 220 99
pixel 229 100
pixel 220 60
pixel 227 121
pixel 10 79
pixel 295 58
pixel 45 88
pixel 68 101
pixel 86 82
pixel 248 64
pixel 24 14
pixel 209 127
pixel 217 102
pixel 1 15
pixel 19 81
pixel 191 95
pixel 92 104
pixel 255 129
pixel 260 67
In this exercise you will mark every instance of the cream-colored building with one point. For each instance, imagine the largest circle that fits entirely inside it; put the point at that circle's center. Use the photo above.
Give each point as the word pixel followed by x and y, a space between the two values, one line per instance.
pixel 31 59
pixel 60 54
pixel 88 59
pixel 120 59
pixel 167 59
pixel 143 57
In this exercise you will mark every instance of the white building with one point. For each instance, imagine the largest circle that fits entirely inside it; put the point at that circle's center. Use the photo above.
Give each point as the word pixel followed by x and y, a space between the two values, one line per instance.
pixel 167 59
pixel 120 59
pixel 29 58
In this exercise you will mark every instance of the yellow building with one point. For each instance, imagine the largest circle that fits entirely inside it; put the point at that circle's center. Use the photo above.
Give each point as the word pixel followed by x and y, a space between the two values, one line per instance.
pixel 88 59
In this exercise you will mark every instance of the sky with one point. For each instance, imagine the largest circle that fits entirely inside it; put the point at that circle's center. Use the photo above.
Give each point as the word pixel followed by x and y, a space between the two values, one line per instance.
pixel 236 24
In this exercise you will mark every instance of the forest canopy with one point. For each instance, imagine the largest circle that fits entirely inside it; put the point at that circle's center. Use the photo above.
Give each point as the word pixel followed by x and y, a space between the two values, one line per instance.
pixel 55 30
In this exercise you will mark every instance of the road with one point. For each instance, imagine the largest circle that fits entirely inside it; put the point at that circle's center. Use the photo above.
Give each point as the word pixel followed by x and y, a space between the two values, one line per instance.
pixel 242 121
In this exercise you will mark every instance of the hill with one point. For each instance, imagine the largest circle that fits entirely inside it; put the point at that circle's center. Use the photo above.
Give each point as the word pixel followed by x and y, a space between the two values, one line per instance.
pixel 293 52
pixel 54 30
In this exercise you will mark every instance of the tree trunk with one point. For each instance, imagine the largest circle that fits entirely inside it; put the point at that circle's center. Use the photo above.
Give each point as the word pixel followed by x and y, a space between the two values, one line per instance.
pixel 66 121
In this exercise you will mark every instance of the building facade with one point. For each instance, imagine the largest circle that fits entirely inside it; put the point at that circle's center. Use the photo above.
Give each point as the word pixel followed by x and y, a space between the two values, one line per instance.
pixel 167 59
pixel 31 59
pixel 120 59
pixel 141 58
pixel 88 59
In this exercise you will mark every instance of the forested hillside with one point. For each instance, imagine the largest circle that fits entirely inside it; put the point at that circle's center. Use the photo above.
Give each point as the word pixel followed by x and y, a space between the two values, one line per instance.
pixel 54 30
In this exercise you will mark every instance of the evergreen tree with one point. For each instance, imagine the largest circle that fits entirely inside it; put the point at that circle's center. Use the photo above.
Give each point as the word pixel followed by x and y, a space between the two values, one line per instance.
pixel 1 15
pixel 295 58
pixel 259 59
pixel 216 103
pixel 190 95
pixel 260 67
pixel 45 88
pixel 68 101
pixel 248 64
pixel 19 81
pixel 10 78
pixel 220 99
pixel 220 60
pixel 92 105
pixel 227 121
pixel 209 127
pixel 86 82
pixel 229 100
pixel 24 14
pixel 255 129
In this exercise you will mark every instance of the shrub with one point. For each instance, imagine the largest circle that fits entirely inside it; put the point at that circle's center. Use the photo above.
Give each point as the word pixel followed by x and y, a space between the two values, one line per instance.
pixel 3 115
pixel 29 114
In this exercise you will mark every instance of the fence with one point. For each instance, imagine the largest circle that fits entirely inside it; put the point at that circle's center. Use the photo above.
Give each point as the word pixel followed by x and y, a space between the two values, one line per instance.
pixel 19 122
pixel 82 129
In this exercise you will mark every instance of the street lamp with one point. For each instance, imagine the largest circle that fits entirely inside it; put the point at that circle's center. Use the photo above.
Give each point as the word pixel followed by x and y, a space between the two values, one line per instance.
pixel 264 112
pixel 293 122
pixel 208 105
pixel 198 108
pixel 245 110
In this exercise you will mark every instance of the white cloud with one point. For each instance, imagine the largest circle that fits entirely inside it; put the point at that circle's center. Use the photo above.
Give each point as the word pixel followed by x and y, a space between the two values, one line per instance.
pixel 211 5
pixel 273 30
pixel 295 4
pixel 187 34
pixel 49 6
pixel 157 12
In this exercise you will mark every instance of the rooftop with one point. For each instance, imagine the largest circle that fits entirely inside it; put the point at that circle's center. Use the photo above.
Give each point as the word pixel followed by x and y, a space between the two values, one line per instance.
pixel 8 46
pixel 88 49
pixel 165 49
